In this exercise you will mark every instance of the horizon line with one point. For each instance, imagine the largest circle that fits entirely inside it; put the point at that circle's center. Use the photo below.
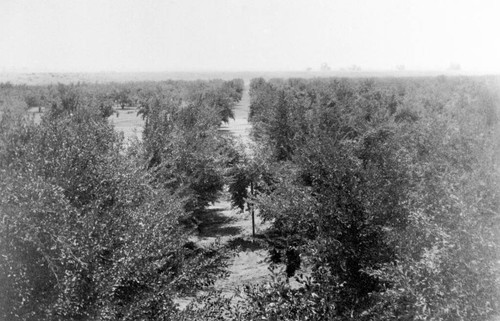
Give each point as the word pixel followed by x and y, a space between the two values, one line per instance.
pixel 206 71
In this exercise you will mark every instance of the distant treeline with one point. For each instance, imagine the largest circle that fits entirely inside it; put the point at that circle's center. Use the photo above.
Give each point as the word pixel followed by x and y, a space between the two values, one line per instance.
pixel 20 97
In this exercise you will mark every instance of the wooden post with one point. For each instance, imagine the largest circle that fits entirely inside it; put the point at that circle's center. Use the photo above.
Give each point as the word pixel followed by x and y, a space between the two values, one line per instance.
pixel 253 213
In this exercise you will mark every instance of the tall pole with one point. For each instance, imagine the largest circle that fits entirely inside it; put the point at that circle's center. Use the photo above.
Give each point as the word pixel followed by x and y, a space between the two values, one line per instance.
pixel 253 213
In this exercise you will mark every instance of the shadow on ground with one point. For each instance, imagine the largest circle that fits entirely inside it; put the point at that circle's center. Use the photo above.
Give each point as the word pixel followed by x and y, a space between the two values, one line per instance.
pixel 213 223
pixel 242 244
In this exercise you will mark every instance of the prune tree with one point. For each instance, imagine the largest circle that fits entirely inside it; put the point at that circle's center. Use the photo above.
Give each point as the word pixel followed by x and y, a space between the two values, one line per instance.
pixel 185 150
pixel 84 230
pixel 397 215
pixel 123 97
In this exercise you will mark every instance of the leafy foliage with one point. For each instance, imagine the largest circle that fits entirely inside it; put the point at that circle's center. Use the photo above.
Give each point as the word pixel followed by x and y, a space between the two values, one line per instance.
pixel 388 188
pixel 84 232
pixel 184 148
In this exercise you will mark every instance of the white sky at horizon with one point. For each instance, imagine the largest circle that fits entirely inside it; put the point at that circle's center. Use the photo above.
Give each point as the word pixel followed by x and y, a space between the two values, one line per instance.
pixel 246 35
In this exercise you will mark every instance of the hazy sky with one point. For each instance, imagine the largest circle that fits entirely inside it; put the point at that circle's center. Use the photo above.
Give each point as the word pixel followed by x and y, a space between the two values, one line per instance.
pixel 186 35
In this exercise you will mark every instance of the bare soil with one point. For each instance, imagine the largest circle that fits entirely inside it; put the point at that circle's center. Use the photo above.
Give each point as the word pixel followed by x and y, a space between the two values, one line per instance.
pixel 233 228
pixel 127 122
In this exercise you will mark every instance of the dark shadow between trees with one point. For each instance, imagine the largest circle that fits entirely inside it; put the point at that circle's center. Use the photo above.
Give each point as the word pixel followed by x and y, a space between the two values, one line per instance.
pixel 242 244
pixel 212 223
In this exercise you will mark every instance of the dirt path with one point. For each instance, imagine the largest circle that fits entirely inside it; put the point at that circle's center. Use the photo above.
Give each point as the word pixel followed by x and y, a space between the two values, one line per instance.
pixel 232 227
pixel 235 227
pixel 239 127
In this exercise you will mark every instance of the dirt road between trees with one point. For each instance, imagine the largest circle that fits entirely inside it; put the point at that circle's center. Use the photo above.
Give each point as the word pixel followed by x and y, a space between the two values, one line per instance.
pixel 233 228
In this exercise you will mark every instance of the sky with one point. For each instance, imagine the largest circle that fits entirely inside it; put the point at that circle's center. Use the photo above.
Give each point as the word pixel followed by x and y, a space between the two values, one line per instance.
pixel 248 35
